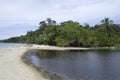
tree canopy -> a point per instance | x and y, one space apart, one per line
71 33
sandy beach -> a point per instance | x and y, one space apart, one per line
13 68
47 47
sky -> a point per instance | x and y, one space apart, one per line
19 16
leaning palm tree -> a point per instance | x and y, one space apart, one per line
106 23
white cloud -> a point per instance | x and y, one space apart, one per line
32 11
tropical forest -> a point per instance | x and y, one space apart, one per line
73 34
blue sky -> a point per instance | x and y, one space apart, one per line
19 16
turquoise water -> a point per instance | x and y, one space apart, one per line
4 45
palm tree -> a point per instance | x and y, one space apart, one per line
50 21
106 23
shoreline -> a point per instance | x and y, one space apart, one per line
47 47
12 66
45 73
42 71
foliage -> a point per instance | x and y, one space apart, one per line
70 33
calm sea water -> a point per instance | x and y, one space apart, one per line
3 45
79 65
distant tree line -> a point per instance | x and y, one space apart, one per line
71 33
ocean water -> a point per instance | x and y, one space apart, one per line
5 45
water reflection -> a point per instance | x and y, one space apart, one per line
80 65
48 54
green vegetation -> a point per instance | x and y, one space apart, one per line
70 33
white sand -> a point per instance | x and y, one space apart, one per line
47 47
12 67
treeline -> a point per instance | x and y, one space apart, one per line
71 33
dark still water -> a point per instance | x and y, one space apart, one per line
79 65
